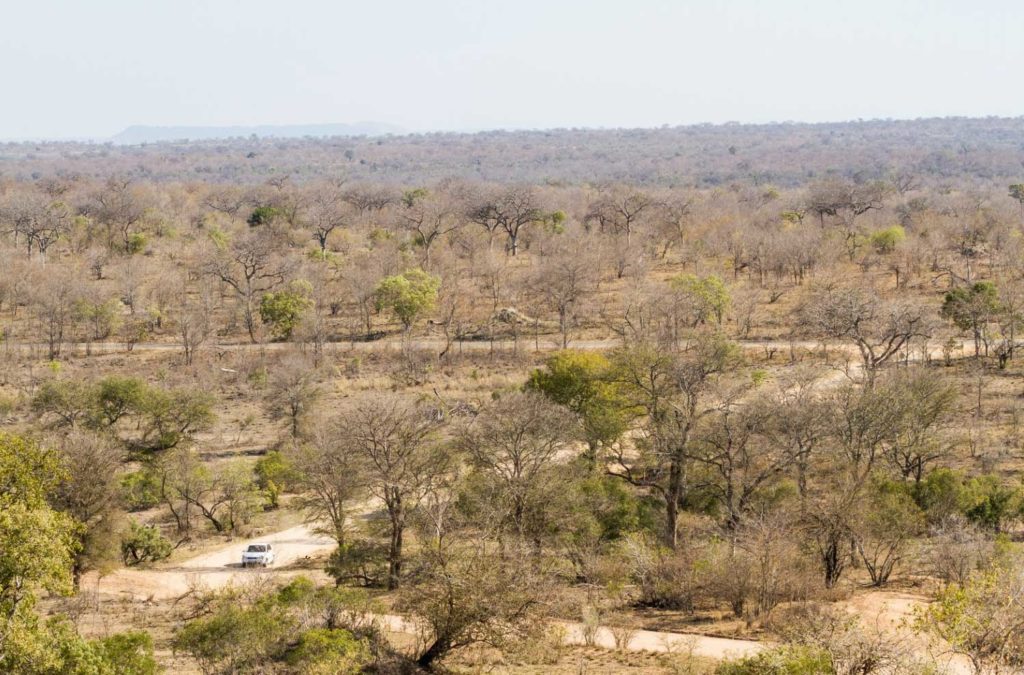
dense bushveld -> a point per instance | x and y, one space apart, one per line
729 379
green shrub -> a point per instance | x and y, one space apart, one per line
128 653
780 661
144 543
140 490
323 650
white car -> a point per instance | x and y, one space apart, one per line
258 555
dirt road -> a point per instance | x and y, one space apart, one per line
213 569
220 567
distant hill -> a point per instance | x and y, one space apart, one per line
134 135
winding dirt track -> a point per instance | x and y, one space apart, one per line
220 567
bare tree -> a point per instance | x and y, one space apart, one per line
618 209
510 210
878 328
333 478
429 216
250 265
326 212
396 440
565 276
515 442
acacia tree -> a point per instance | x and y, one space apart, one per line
514 443
396 439
326 212
878 328
510 210
619 209
672 390
429 216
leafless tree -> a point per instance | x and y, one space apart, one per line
396 439
250 265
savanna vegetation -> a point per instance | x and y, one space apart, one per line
508 401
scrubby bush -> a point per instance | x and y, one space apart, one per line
144 543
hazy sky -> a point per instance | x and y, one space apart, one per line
76 68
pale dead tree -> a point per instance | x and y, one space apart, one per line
799 426
636 319
16 282
53 306
515 442
618 210
315 327
497 284
429 216
851 645
332 477
360 276
251 265
673 219
565 276
325 212
397 441
509 210
878 328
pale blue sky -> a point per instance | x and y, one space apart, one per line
75 68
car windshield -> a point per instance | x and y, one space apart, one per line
257 548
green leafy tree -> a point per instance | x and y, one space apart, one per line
37 545
972 308
408 295
885 241
70 401
263 215
329 650
581 382
1017 192
981 619
117 397
702 300
171 416
144 543
283 310
274 475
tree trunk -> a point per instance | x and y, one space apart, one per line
395 550
436 650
